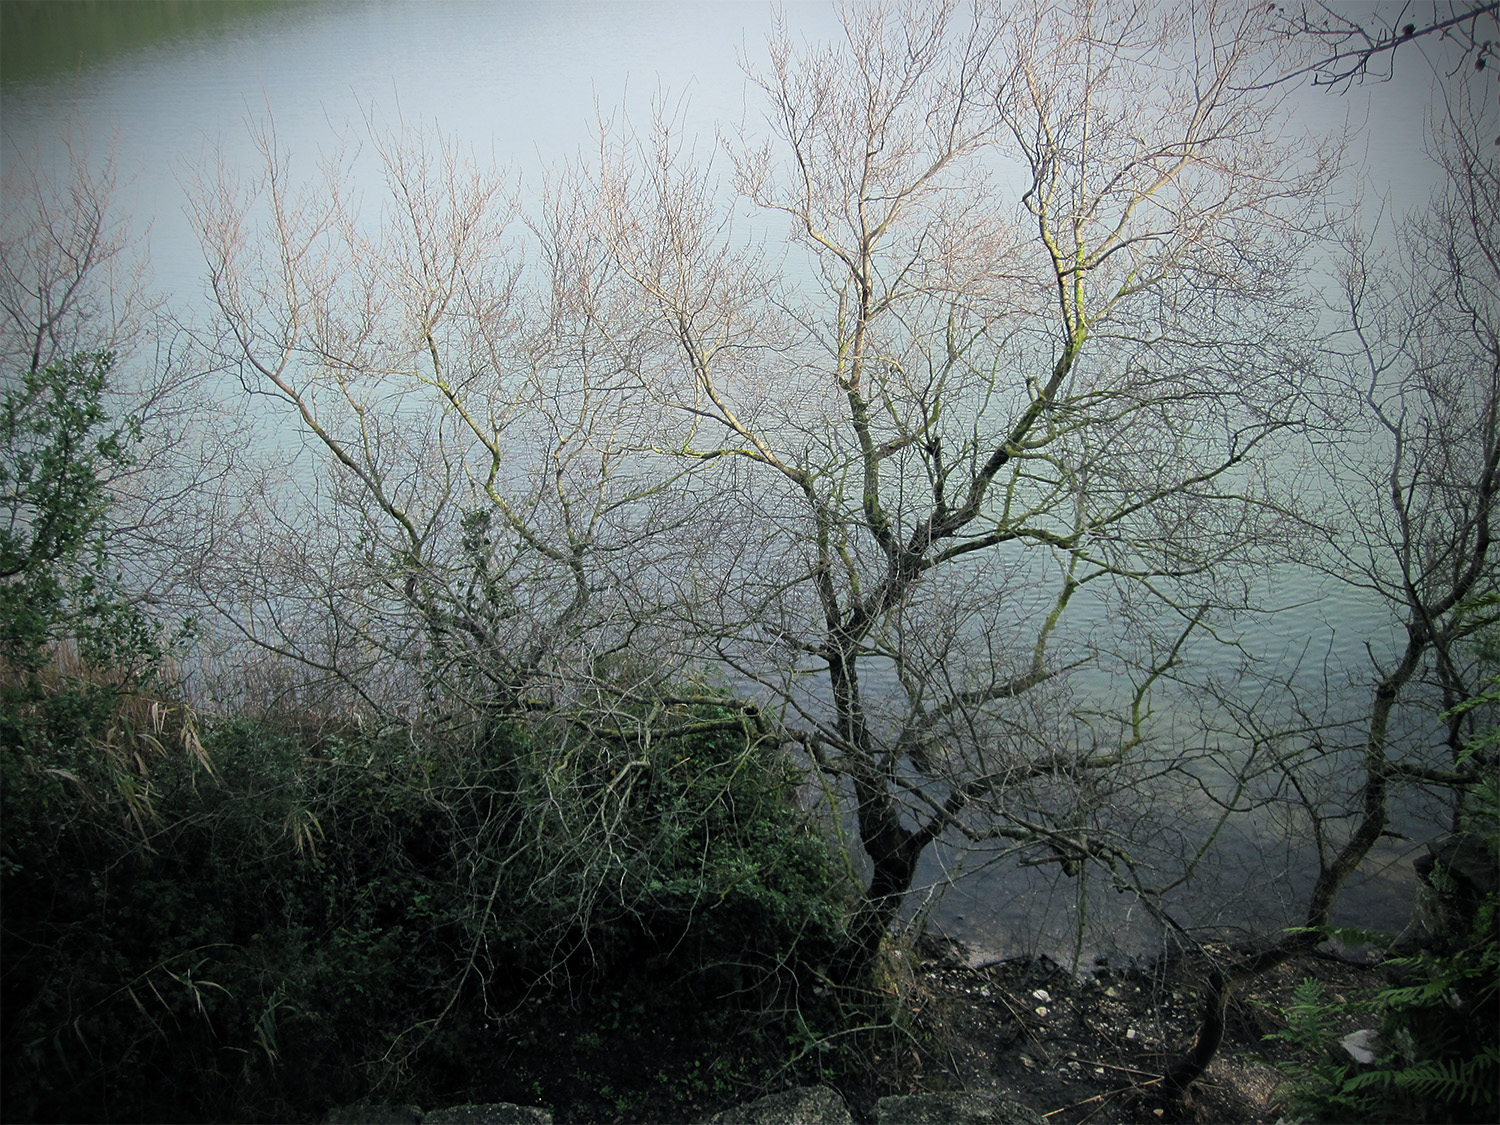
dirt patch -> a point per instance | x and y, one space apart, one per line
1091 1049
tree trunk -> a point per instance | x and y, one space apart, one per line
894 852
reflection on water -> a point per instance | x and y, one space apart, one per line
1006 910
46 39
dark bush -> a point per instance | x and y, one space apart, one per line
308 923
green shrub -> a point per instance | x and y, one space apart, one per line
1440 1045
1439 1021
310 923
57 444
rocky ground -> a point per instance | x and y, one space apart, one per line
1090 1050
1070 1049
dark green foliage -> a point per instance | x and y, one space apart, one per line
269 922
680 829
57 445
71 643
1440 1038
317 920
1439 1025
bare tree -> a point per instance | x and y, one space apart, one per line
72 279
479 519
1011 404
478 538
1414 479
1041 354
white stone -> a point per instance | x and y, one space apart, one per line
1361 1046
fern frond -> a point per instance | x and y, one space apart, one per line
1470 1081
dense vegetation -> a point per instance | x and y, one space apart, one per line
1436 1056
291 919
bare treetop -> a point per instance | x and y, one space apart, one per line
1355 42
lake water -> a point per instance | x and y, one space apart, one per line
167 85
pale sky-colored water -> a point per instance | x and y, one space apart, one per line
520 80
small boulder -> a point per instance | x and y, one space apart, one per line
492 1113
1362 1046
374 1115
805 1105
953 1109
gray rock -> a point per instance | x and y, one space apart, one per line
953 1109
494 1113
1355 953
1361 1046
374 1115
805 1105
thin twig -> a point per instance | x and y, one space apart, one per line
1046 1058
1111 1066
1100 1097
